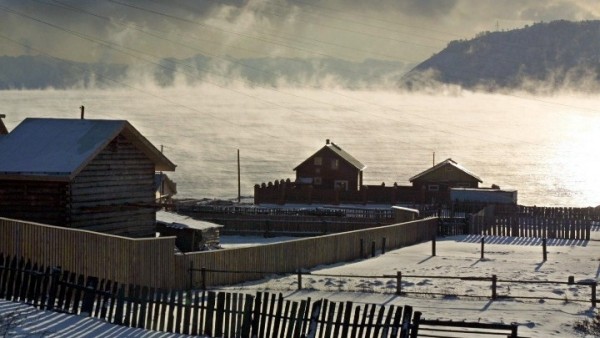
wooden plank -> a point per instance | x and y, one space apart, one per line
151 309
78 294
323 319
195 312
338 321
291 320
141 322
157 308
264 315
306 317
4 268
180 311
247 320
100 298
227 318
89 296
406 318
356 323
210 308
300 318
314 319
39 294
70 290
119 306
24 284
347 318
257 315
32 284
163 311
171 306
220 314
283 318
330 318
396 327
363 323
111 308
388 322
377 325
129 306
271 316
187 314
277 317
10 288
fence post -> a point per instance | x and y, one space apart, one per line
571 280
299 279
593 286
398 283
373 251
362 248
191 275
494 284
433 245
482 246
203 275
383 241
545 255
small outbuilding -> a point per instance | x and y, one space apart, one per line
331 168
165 189
95 175
192 234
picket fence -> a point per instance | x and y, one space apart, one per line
213 314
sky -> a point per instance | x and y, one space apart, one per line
126 31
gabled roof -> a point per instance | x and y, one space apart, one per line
341 153
161 179
442 164
44 148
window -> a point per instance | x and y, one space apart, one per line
335 163
317 170
317 181
341 185
433 187
318 160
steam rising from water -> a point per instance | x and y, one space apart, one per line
546 148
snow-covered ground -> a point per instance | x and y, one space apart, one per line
508 258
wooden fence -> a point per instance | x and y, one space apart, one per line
154 263
519 221
258 262
195 312
145 261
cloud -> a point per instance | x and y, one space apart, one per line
402 30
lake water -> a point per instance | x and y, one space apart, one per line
547 148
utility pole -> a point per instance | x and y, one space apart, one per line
239 177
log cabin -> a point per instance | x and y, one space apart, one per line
95 175
331 168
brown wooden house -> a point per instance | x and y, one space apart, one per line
89 174
434 183
331 168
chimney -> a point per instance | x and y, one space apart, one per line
82 111
327 141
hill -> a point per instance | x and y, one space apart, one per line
40 72
554 55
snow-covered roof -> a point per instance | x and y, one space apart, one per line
60 148
442 164
341 153
178 221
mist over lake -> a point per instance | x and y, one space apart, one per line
544 147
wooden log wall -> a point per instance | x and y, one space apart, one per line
115 192
35 201
287 257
